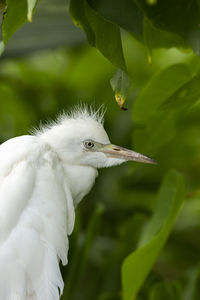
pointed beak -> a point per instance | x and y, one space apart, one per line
122 153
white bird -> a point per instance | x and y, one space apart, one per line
42 179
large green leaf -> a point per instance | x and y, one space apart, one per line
101 33
161 87
179 17
78 14
138 264
150 139
162 102
129 15
185 96
14 17
125 13
156 38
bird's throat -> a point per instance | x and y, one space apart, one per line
80 180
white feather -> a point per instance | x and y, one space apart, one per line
33 214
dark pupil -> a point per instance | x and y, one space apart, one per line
90 144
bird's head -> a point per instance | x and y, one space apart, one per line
80 138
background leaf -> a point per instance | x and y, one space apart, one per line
165 291
101 33
116 10
163 14
31 5
162 86
14 17
120 83
138 264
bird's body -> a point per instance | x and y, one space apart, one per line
42 179
33 220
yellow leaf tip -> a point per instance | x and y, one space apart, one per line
29 18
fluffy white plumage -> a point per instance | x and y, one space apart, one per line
42 178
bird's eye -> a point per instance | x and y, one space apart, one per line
89 144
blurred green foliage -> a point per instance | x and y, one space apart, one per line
138 264
124 220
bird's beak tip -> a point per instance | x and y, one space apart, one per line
126 154
143 159
152 161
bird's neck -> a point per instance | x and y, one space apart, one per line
80 180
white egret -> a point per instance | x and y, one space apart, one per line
42 179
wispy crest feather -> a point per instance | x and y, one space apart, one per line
81 111
84 111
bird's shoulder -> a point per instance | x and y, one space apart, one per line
24 149
31 178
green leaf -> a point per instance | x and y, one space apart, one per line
185 96
138 264
192 286
124 13
31 6
162 102
16 14
120 84
129 15
165 291
78 15
148 38
163 206
150 139
161 87
14 17
180 17
2 47
107 37
101 33
155 38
